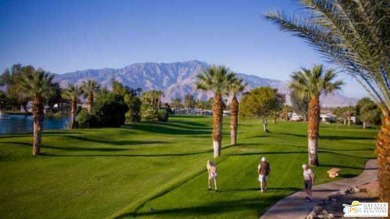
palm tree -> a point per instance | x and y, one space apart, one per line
39 86
11 78
217 80
355 36
73 93
89 89
312 83
236 87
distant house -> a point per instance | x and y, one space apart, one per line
328 118
296 117
226 112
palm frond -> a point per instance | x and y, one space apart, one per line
353 34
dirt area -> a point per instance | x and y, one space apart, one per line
333 207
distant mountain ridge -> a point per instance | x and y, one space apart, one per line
175 79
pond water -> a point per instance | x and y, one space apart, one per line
10 124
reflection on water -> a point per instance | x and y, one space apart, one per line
22 123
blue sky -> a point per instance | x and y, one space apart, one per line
67 35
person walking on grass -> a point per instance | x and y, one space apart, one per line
308 177
263 170
212 172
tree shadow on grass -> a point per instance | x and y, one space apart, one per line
268 152
357 150
210 209
166 129
188 124
63 132
103 149
349 175
24 144
341 166
346 155
269 189
116 142
126 155
329 137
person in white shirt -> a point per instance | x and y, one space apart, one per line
212 174
308 178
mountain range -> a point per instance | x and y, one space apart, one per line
176 80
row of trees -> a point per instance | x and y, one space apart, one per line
190 102
221 81
366 112
25 84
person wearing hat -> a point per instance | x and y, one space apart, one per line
263 170
308 180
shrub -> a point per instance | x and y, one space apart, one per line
148 113
108 111
86 120
163 115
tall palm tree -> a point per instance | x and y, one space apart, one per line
73 93
39 86
236 87
312 83
216 79
354 35
90 88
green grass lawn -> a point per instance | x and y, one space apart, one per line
159 170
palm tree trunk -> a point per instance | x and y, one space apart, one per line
233 120
73 113
217 124
90 103
313 130
38 117
383 160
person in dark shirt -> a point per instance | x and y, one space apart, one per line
263 170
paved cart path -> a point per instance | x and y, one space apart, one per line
295 205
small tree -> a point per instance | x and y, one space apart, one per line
300 104
285 113
279 107
236 87
130 98
150 105
368 112
345 113
90 88
189 102
176 103
108 111
73 93
259 103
